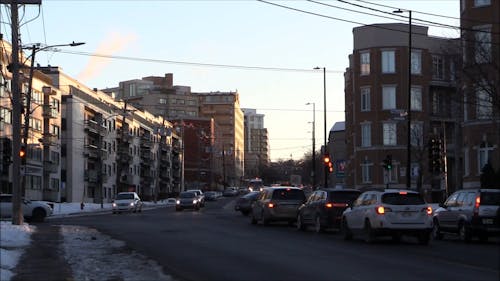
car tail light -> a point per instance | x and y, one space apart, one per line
329 205
381 210
270 205
477 203
428 210
403 192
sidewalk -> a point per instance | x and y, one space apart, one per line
44 259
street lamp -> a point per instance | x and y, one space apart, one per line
408 145
324 121
313 173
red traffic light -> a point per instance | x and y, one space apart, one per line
326 159
22 152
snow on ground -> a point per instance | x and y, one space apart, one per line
85 249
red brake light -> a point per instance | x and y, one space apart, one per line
478 202
403 192
329 205
428 210
270 205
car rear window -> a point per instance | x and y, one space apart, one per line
344 197
124 196
288 194
490 198
402 199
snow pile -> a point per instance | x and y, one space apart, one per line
13 240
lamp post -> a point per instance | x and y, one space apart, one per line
313 173
324 122
34 49
408 145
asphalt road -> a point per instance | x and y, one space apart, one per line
218 243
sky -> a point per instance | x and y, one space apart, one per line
263 51
84 248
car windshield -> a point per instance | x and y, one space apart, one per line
344 196
187 195
251 195
124 196
490 198
402 199
288 194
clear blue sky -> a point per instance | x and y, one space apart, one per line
230 32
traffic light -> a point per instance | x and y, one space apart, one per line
22 154
388 162
326 159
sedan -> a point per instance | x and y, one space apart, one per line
187 200
127 202
244 203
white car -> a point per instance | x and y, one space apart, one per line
200 195
388 213
32 210
126 202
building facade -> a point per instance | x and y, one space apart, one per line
256 143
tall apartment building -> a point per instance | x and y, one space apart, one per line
376 98
229 145
256 143
480 86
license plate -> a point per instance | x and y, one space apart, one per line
406 214
487 221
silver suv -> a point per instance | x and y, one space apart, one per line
468 213
277 204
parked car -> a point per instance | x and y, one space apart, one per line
230 192
244 203
32 210
171 201
388 213
200 195
323 209
468 213
127 202
211 196
277 204
188 200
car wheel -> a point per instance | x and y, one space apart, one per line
368 231
436 231
346 231
253 220
464 233
423 238
38 215
300 223
317 224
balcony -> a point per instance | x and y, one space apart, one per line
49 139
49 112
90 176
91 126
90 151
50 167
123 135
126 178
123 158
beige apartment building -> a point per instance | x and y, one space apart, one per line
256 143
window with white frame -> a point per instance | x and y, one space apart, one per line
366 134
480 3
416 98
5 115
388 62
389 133
482 39
417 134
365 99
366 172
388 97
416 62
484 104
484 154
437 67
163 101
364 63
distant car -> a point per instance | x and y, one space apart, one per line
323 209
277 204
32 210
244 203
230 191
211 195
170 201
127 202
200 195
388 213
469 213
187 200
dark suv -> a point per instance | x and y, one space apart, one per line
324 208
277 204
468 213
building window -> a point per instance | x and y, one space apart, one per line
484 104
466 162
482 50
35 124
437 67
453 72
366 135
389 133
480 3
416 62
365 99
416 98
365 63
417 135
163 101
388 62
366 172
5 115
388 97
390 176
54 184
55 130
484 154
